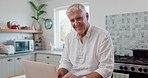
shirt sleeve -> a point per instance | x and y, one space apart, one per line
65 62
106 57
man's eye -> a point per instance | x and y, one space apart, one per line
79 18
71 20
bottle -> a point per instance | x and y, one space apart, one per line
49 46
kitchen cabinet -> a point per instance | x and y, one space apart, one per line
48 59
7 67
12 65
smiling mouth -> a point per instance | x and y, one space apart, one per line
78 27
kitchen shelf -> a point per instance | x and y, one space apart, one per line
20 31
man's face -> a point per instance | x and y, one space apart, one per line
78 20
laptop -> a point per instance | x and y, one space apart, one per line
39 70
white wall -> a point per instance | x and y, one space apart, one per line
15 10
98 10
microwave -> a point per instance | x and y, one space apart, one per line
22 45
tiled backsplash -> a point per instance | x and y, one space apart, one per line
128 31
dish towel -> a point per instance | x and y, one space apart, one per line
120 75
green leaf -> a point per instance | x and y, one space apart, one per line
38 11
34 18
43 19
41 12
41 6
33 5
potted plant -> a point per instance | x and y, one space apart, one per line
38 14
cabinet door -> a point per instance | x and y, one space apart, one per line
57 60
1 68
30 57
45 57
48 59
18 65
7 67
11 66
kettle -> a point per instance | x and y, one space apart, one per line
14 27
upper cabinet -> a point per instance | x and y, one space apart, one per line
21 31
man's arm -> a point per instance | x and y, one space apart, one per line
65 61
92 75
106 57
65 64
106 60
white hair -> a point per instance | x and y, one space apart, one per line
75 7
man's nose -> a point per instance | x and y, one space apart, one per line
76 22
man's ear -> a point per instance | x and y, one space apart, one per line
87 16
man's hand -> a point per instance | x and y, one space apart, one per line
70 75
91 75
62 72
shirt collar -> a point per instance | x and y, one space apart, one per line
87 34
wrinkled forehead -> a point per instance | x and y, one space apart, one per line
75 11
75 14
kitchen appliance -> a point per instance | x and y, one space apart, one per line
22 45
8 49
14 27
140 53
136 66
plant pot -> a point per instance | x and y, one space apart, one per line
36 25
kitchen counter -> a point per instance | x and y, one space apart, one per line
55 52
31 52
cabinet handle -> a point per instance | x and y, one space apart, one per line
18 58
48 63
48 57
9 59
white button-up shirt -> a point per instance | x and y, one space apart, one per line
95 54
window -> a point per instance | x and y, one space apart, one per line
62 25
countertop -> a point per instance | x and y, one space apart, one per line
55 52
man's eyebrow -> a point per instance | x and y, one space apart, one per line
78 18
